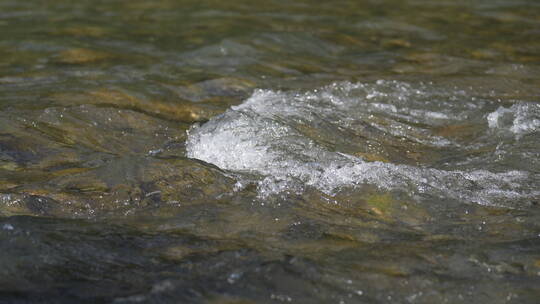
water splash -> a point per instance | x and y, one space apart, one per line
266 136
521 118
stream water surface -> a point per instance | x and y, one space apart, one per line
274 152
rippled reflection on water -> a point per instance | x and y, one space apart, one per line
304 152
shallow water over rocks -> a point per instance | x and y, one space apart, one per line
299 152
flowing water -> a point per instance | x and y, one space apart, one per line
274 152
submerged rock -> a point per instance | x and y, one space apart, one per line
214 89
82 56
180 111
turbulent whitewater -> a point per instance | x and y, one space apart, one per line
329 139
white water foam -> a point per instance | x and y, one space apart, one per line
260 137
521 118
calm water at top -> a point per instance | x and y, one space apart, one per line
271 152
